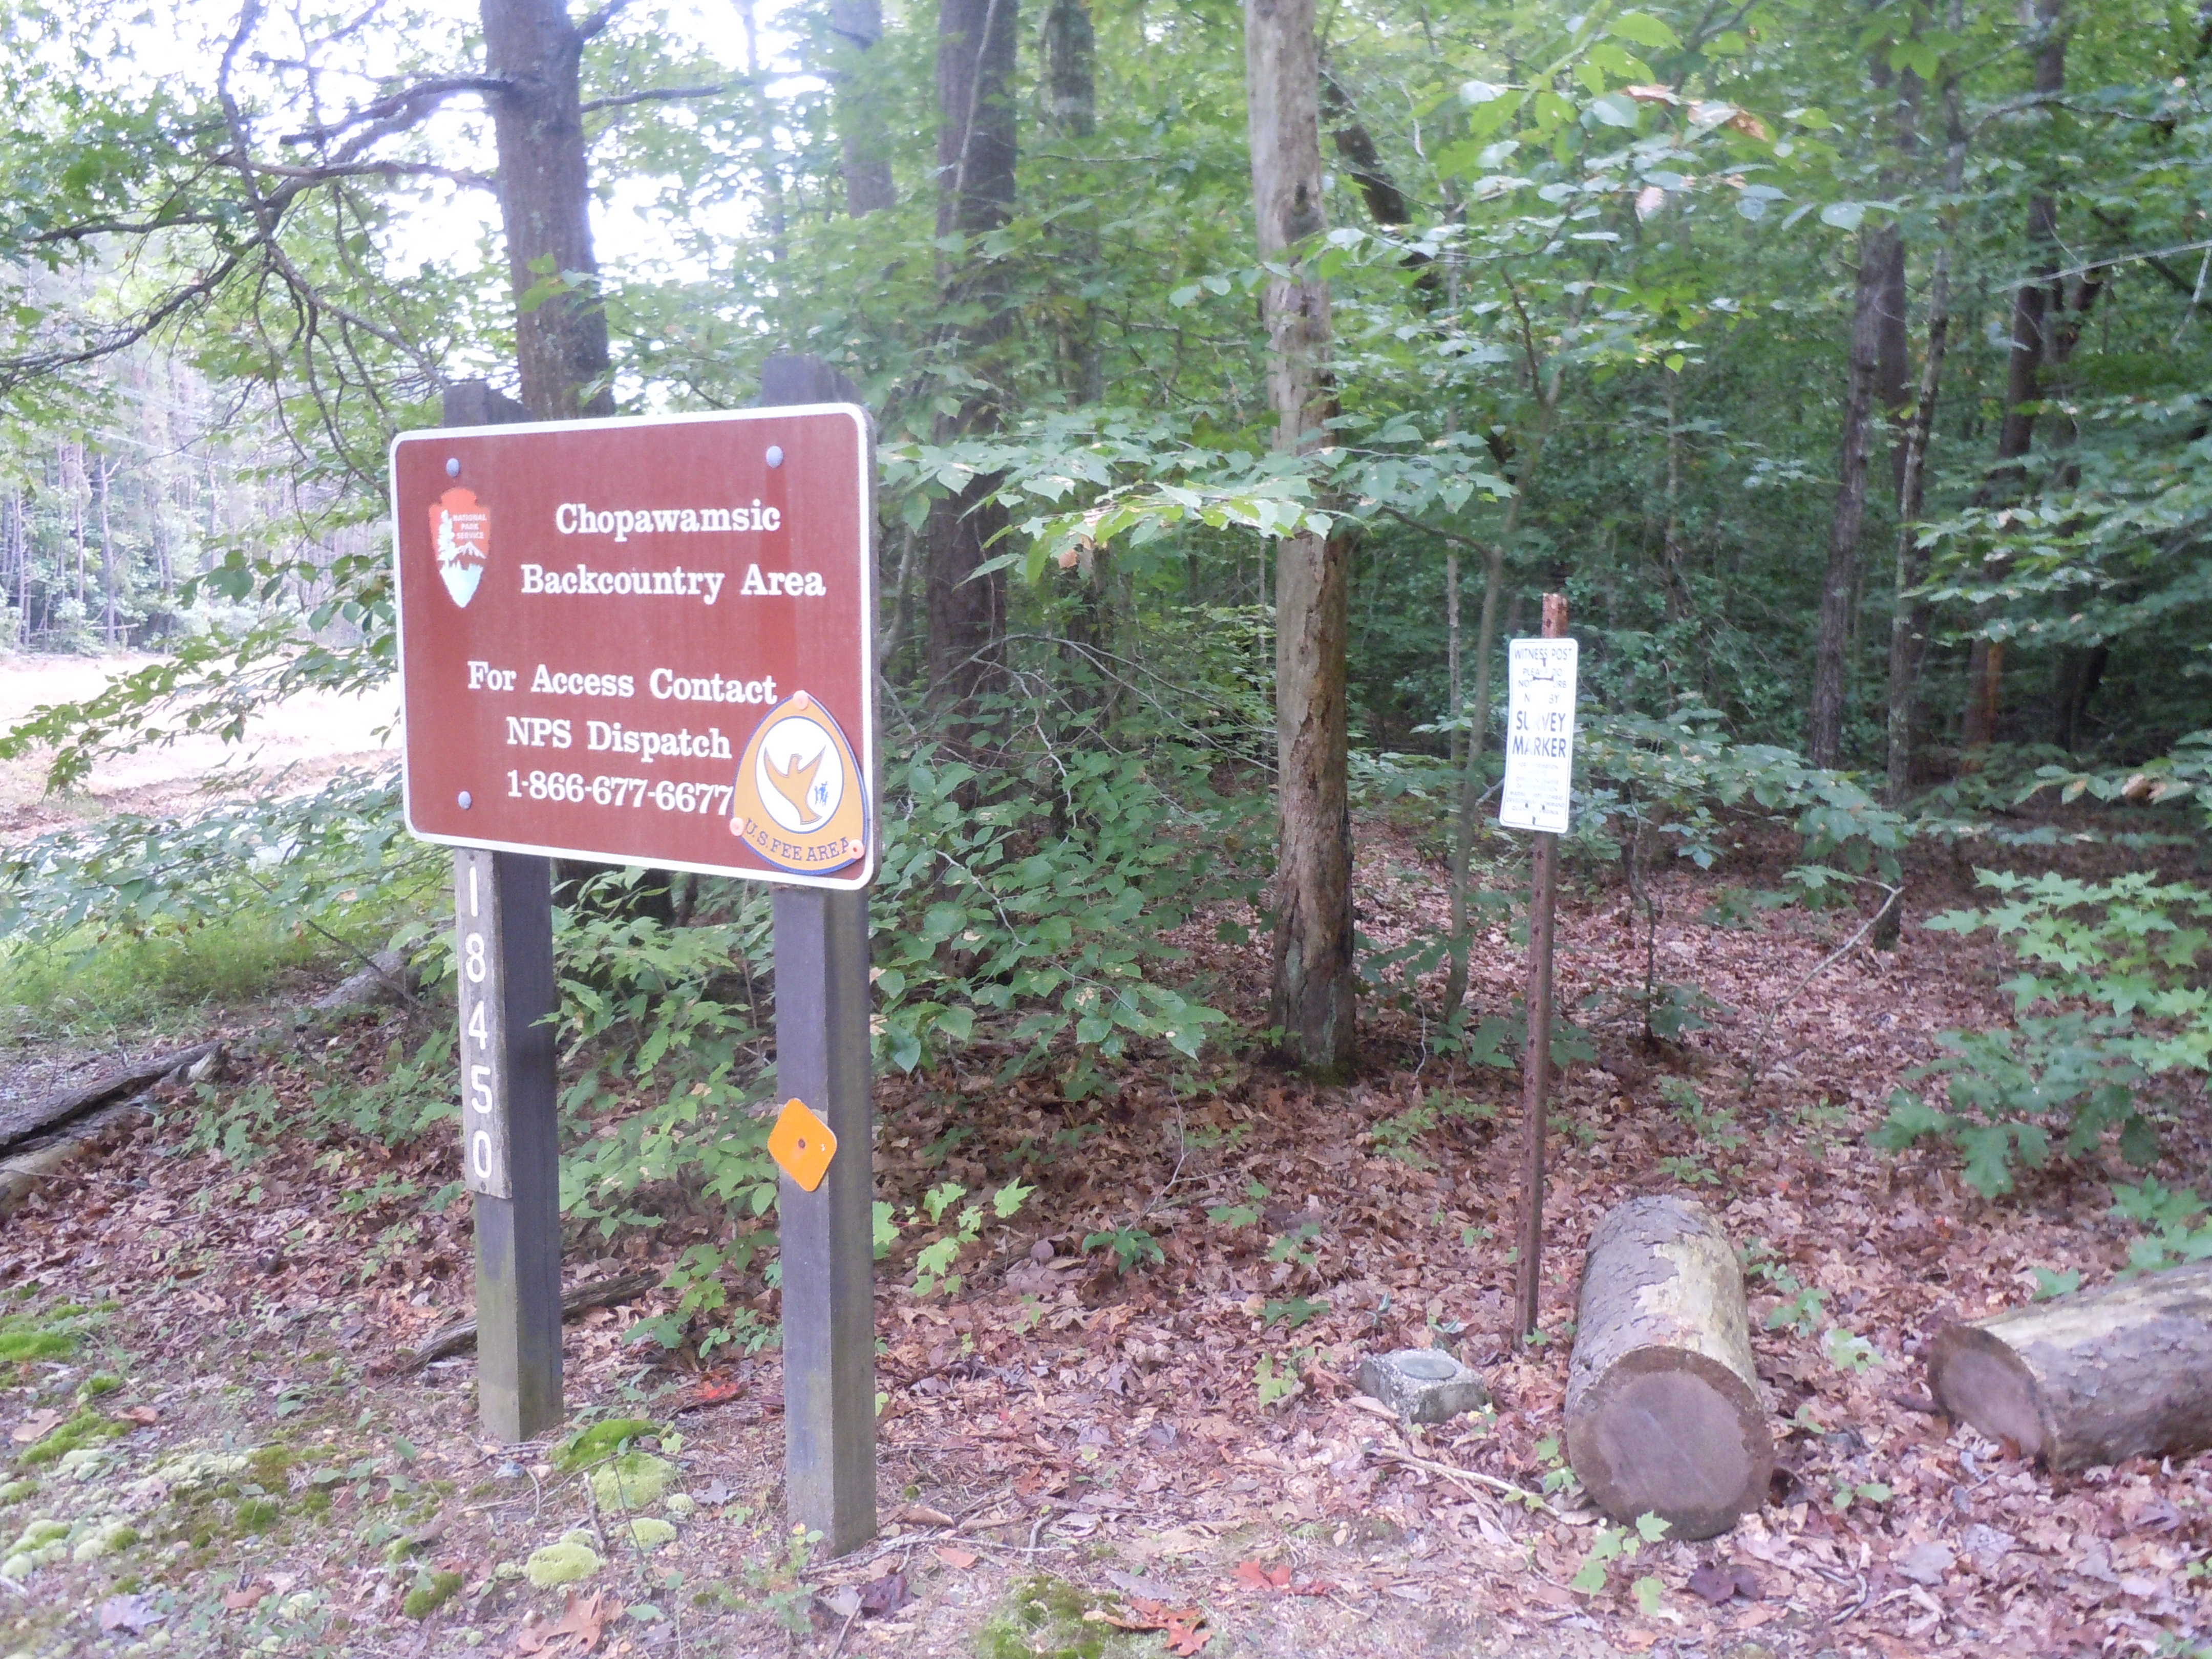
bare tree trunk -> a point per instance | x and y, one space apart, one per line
763 115
1313 992
544 205
976 159
1071 64
864 146
1908 621
1874 380
2023 364
105 475
1824 725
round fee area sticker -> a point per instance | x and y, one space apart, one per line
801 803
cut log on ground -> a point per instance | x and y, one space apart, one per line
1664 1412
462 1337
20 1125
2088 1379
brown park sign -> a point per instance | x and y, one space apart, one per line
649 642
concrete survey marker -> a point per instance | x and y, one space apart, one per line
1422 1385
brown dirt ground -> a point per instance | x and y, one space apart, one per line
1059 1437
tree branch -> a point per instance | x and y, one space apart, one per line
596 24
1452 536
407 103
658 94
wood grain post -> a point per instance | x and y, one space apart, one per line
1536 1062
510 1151
510 1139
826 1237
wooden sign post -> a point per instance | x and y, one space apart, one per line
1540 738
651 642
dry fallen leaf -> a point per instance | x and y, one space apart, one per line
144 1416
1253 1576
1186 1638
129 1612
35 1427
246 1598
581 1622
959 1559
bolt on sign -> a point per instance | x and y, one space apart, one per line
645 642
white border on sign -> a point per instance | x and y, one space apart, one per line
871 762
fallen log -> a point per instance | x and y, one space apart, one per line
460 1337
1663 1411
60 1109
2089 1379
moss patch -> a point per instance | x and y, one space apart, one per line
87 1428
1042 1618
431 1592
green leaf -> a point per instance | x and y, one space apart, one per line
1650 1593
1644 29
1615 109
1843 216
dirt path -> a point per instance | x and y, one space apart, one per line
303 741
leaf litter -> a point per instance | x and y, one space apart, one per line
1059 1414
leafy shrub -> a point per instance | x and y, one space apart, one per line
2118 963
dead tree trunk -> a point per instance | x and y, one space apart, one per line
544 205
976 157
1664 1412
1314 989
2124 1373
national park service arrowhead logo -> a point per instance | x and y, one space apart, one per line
460 530
801 803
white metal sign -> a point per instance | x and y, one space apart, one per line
1540 735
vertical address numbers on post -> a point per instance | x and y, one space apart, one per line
482 1034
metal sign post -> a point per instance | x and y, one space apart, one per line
1540 739
651 642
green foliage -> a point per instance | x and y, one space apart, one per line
2119 963
597 1441
1617 1544
2176 1230
1292 1312
933 1264
1131 1247
1400 1135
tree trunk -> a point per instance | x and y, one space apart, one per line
1824 727
2124 1373
864 146
104 471
2023 364
763 114
976 158
1909 617
1314 988
1874 383
544 206
1070 67
1663 1414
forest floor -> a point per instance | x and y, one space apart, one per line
212 1453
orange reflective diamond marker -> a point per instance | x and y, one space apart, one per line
802 1145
